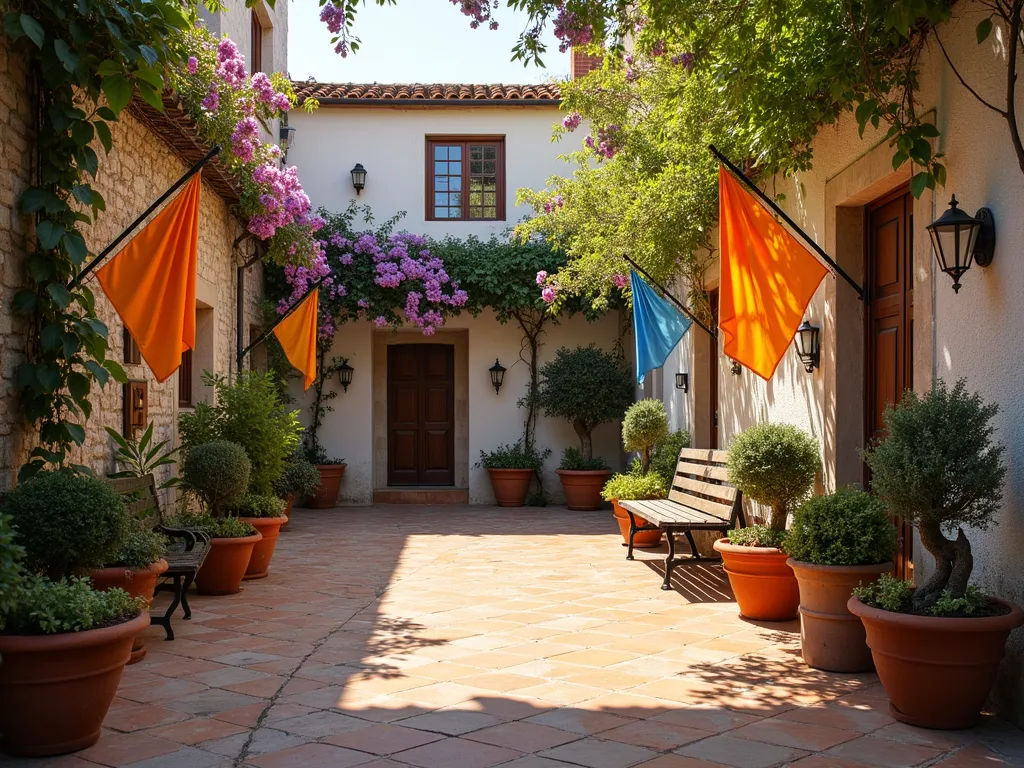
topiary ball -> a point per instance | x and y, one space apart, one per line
67 523
218 471
848 527
644 425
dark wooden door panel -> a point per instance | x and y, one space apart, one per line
421 414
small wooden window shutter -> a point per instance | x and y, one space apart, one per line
256 44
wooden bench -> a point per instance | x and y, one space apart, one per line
186 554
700 499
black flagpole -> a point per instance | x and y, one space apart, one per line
131 227
266 334
672 298
836 269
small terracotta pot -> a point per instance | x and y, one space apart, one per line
510 486
643 539
137 582
288 504
831 637
764 586
326 495
225 565
937 672
55 690
259 561
583 487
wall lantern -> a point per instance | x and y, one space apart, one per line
285 134
358 177
345 372
959 239
497 375
808 345
736 368
683 382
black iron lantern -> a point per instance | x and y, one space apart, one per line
497 375
960 240
345 372
736 368
358 177
683 382
808 345
285 134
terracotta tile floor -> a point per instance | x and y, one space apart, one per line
467 638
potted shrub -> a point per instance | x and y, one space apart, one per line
135 568
331 473
63 644
634 486
665 456
582 479
837 542
218 473
774 465
265 513
511 468
299 479
937 648
586 387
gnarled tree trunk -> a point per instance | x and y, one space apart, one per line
953 564
586 442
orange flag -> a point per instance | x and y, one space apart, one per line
297 334
768 279
152 282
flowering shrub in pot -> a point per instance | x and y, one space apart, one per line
774 465
63 643
265 513
937 647
836 543
634 486
511 468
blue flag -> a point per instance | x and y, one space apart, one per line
657 326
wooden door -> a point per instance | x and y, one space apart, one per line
713 371
421 414
890 318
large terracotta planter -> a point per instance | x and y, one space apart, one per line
643 539
326 495
510 486
137 582
831 637
288 504
583 487
259 561
225 565
55 690
764 586
937 672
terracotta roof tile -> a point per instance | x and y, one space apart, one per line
349 93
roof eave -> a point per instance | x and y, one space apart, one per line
376 102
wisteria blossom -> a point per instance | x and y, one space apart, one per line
572 121
620 280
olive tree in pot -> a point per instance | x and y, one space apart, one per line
774 465
218 474
511 468
837 542
587 387
63 643
937 648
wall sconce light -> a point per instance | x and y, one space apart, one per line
736 368
345 372
358 177
808 345
959 240
683 382
497 375
136 407
285 134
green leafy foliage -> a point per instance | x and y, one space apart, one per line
573 460
757 536
140 457
514 456
587 387
45 607
140 550
775 465
892 594
11 572
215 527
68 524
888 593
644 426
848 527
300 478
968 604
666 455
200 426
256 505
217 472
634 486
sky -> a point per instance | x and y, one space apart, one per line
416 41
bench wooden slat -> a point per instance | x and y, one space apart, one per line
722 511
705 471
704 454
666 512
725 494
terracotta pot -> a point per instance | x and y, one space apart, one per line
937 672
55 690
259 561
288 504
643 539
831 637
326 495
583 487
764 586
510 486
225 565
137 582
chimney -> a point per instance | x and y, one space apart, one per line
581 63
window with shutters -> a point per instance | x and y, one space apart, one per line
185 380
465 178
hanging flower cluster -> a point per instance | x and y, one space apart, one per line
606 141
571 31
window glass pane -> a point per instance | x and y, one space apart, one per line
441 183
490 198
440 168
440 198
490 153
455 168
491 182
440 213
454 198
490 213
476 152
455 152
476 167
490 166
440 152
455 183
475 198
476 213
475 184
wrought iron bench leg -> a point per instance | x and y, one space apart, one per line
632 533
670 561
184 595
165 620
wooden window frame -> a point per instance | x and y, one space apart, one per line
256 43
465 140
186 397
